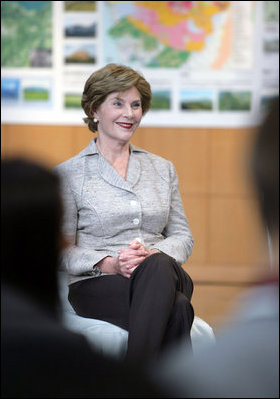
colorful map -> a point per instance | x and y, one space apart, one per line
167 34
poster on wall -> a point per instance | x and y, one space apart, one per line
211 63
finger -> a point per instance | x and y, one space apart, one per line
126 255
136 241
135 244
140 247
142 252
131 256
129 271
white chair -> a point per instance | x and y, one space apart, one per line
111 340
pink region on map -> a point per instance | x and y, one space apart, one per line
177 36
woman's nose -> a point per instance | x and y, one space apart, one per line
128 112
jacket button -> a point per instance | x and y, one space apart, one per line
135 221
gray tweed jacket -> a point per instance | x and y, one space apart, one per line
104 212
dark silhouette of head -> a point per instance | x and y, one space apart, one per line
265 168
31 214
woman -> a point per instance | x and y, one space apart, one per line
125 222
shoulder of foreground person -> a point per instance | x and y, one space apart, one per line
40 358
244 362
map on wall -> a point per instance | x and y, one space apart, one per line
209 63
169 34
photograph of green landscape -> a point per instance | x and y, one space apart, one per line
72 100
79 25
36 91
196 100
235 100
161 99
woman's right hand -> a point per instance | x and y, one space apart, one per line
124 264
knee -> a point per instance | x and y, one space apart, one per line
160 260
159 264
181 301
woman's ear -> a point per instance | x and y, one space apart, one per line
94 116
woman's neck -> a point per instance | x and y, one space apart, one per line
112 151
116 154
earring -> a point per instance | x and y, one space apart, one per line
95 120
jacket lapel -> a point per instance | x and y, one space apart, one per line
134 170
110 175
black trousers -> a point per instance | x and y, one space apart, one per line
153 305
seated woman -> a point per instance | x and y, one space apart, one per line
125 222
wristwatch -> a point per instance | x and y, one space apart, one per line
96 271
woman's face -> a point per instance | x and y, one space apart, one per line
119 115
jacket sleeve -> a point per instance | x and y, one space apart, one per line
75 260
178 242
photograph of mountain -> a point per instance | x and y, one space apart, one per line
79 53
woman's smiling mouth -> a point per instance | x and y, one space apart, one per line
125 125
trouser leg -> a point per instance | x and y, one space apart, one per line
180 322
154 288
104 298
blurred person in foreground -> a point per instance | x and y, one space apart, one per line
39 357
244 363
126 224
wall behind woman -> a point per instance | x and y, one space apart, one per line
230 245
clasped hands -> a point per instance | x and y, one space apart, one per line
128 259
131 257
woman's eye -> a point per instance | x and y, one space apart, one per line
136 105
117 103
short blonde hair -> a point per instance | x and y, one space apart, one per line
109 79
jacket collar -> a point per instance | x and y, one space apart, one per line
92 149
109 174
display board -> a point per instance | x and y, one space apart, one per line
211 63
